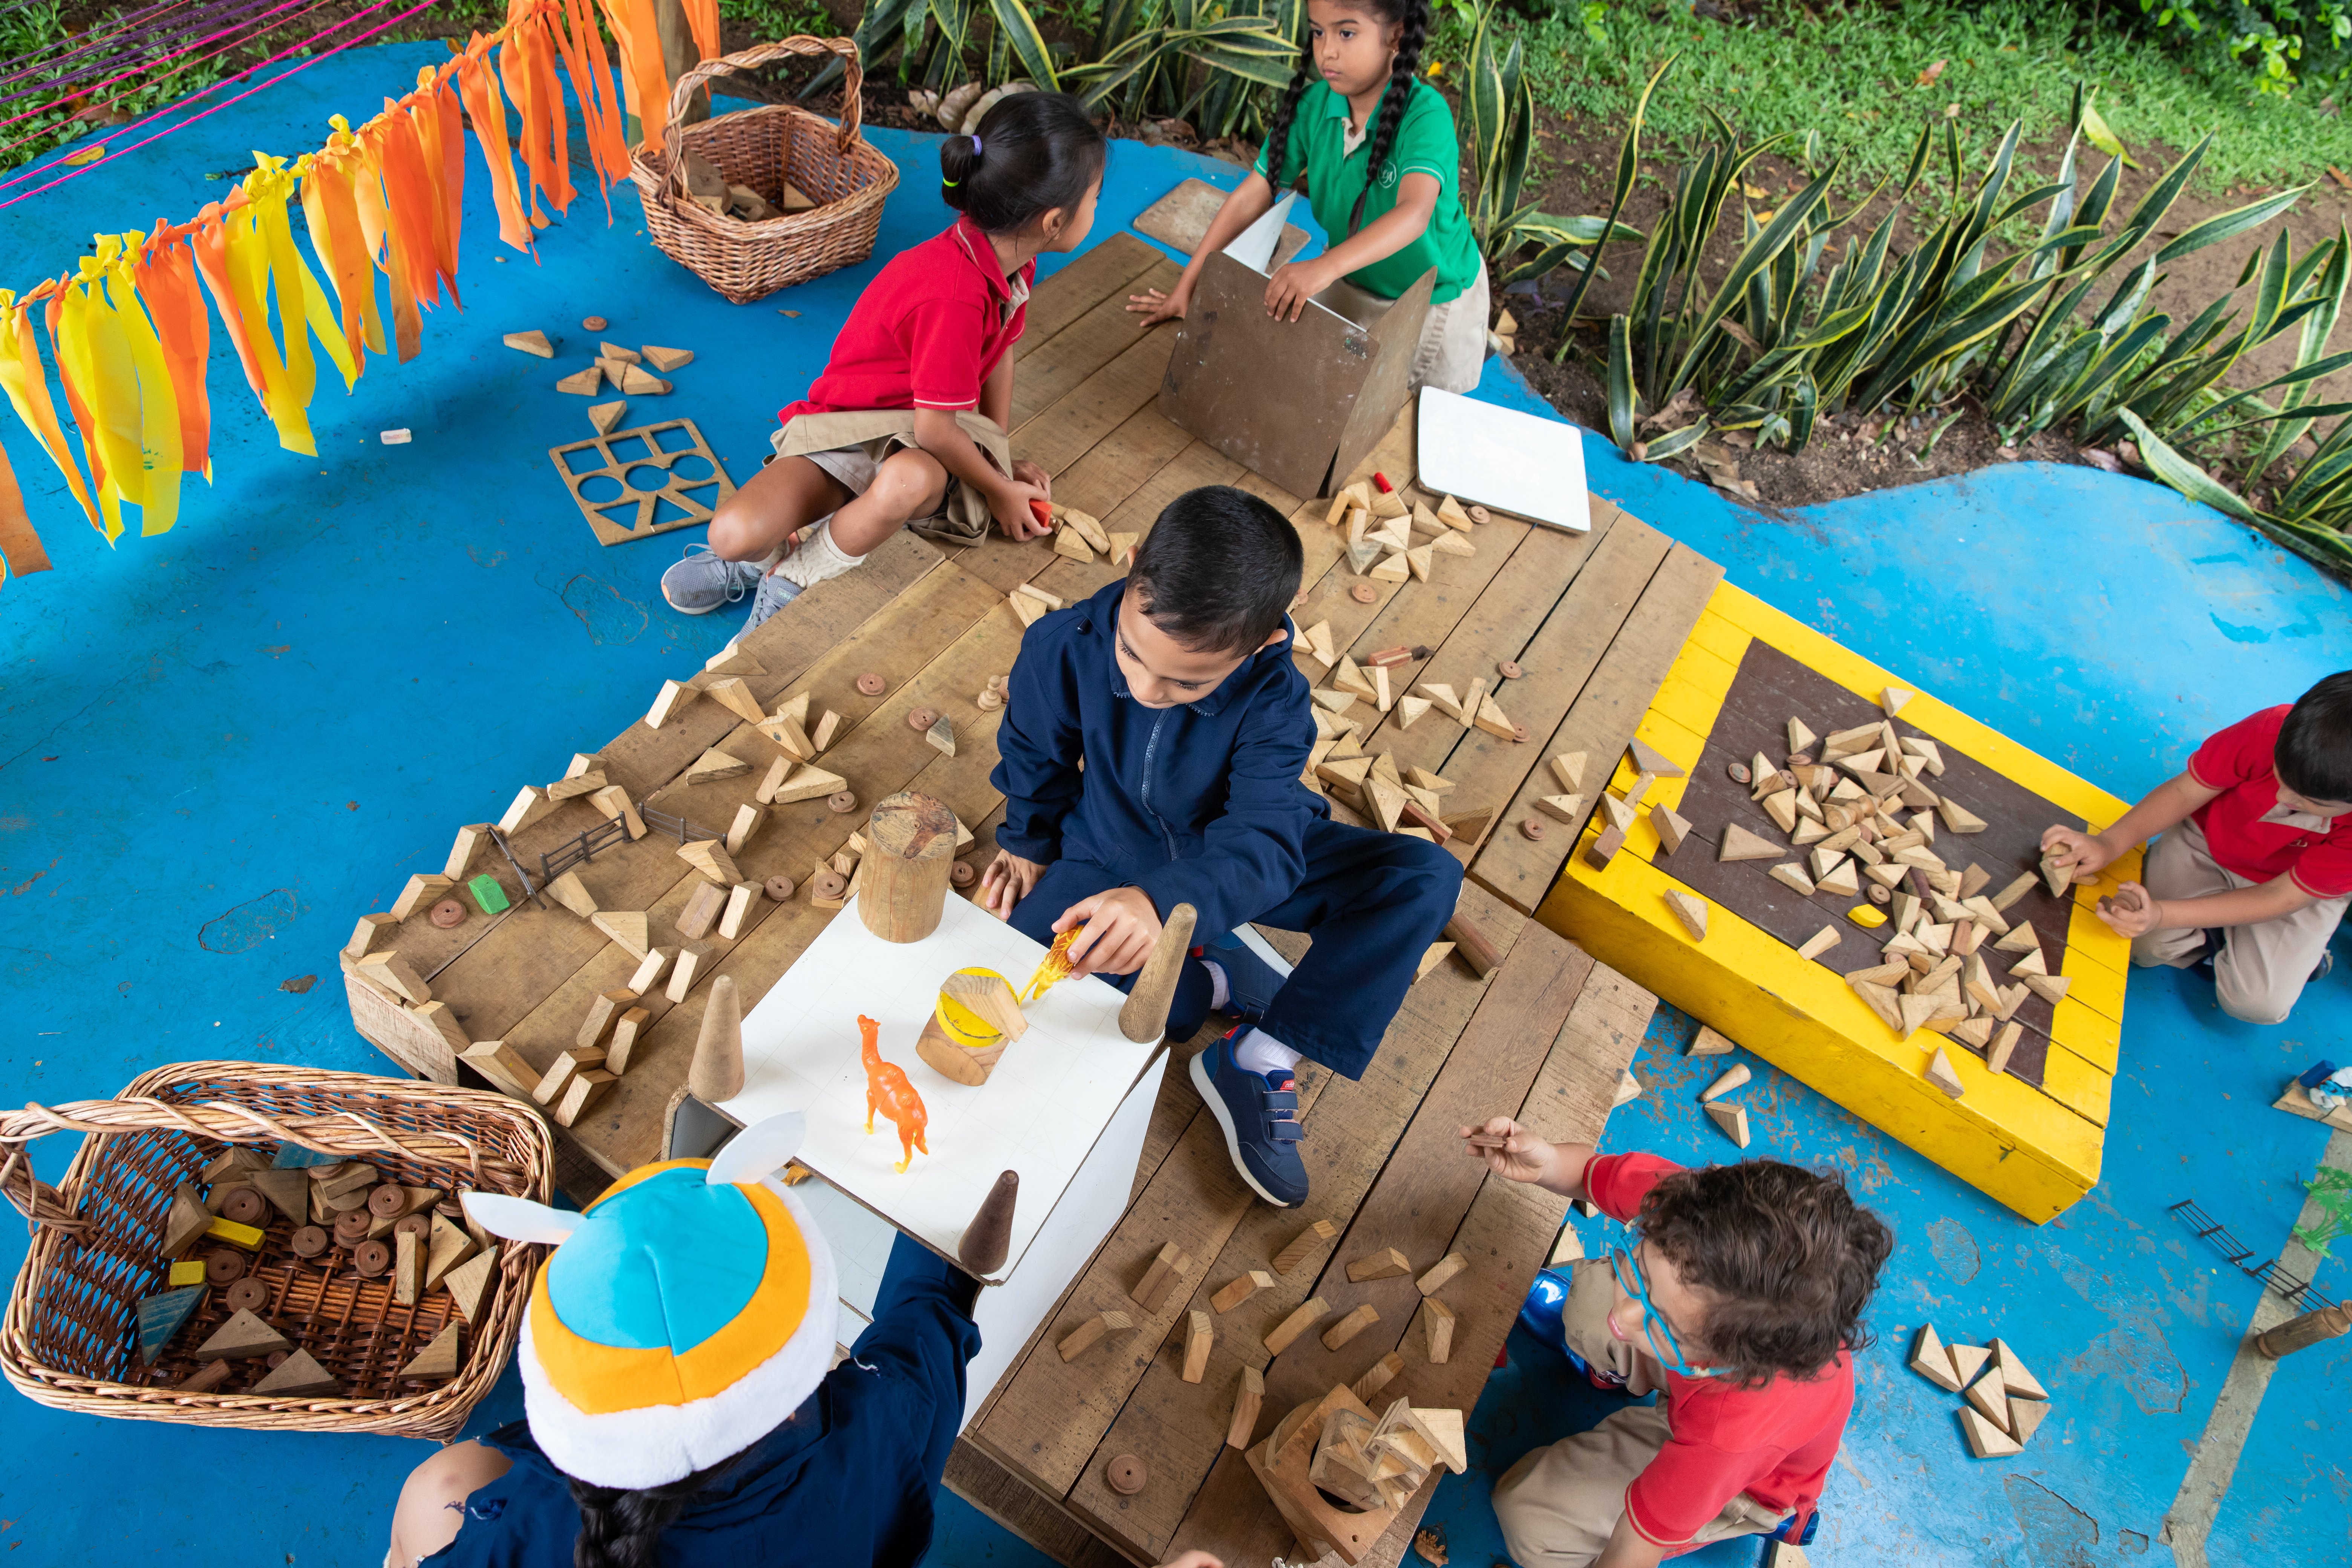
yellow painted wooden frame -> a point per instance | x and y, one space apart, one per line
2036 1150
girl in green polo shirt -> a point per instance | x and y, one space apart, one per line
1378 148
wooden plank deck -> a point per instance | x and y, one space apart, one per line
1594 619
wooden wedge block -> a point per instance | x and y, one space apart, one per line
1987 1441
1437 1329
301 1376
2020 1383
1792 875
666 360
389 970
242 1337
439 1359
1648 759
1439 1273
1708 1043
534 341
1304 1245
469 1284
739 899
1241 1289
1300 1320
1690 910
710 857
1242 1426
1967 1361
1378 1376
1349 1327
1388 1263
715 764
1939 1073
1996 1055
628 928
2024 1415
582 382
1740 844
1820 942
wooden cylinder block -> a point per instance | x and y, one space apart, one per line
951 1060
910 845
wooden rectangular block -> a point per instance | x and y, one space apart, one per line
1089 1334
1241 1289
1304 1245
1440 1272
1298 1323
703 907
688 968
503 1066
739 905
627 1031
587 1088
1437 1327
1199 1337
1388 1263
1242 1426
1167 1268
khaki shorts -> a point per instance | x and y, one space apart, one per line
851 447
1451 355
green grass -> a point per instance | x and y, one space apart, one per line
1853 75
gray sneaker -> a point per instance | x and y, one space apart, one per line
776 591
703 582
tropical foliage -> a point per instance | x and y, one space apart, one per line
1498 115
2023 296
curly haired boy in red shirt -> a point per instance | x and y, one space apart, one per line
1739 1297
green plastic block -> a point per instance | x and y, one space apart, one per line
488 893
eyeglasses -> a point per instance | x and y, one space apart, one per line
1627 1269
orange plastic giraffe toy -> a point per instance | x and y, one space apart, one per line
886 1088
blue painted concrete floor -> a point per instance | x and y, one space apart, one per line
219 748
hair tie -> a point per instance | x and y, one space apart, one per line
975 146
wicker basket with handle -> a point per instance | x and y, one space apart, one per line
69 1339
763 148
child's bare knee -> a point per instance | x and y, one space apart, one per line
734 534
905 481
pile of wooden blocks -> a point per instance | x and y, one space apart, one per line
1390 540
1729 1116
2005 1403
623 368
339 1215
1081 537
1650 766
1382 1464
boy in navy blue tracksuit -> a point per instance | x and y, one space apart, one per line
1176 688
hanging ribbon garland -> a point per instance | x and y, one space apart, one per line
129 331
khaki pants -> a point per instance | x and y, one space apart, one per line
1453 350
850 445
1558 1506
2261 968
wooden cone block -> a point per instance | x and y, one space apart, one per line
910 845
1143 1017
717 1072
989 1237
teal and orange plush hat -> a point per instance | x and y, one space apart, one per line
683 1315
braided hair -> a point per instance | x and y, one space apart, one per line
620 1529
1411 17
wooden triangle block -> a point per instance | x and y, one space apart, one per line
1916 1011
1450 513
2032 964
666 360
2020 1383
1350 677
1089 528
1447 702
161 1316
1882 1000
1820 942
242 1336
1671 828
1990 1402
1393 570
1708 1043
605 416
627 928
1349 771
715 764
1729 1116
1069 542
1967 1361
1569 768
452 1243
1940 1073
1333 701
710 857
809 783
2051 988
585 382
1790 874
1621 816
1387 801
2024 1415
1451 543
1932 1360
469 1284
1800 738
1691 912
1648 759
1987 1441
1958 818
298 1376
1893 698
1738 843
638 380
1841 880
730 693
1493 721
534 341
438 1359
1567 808
1423 561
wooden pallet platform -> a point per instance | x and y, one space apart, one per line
1593 619
2029 1136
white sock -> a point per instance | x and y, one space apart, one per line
817 560
1260 1052
1220 993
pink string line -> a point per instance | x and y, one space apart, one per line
216 108
244 29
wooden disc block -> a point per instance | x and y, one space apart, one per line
910 845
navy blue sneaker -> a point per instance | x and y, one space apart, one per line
1250 981
1259 1113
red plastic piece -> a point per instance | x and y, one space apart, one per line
1382 481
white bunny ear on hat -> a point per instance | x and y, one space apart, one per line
520 1219
759 1150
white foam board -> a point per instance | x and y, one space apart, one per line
1504 459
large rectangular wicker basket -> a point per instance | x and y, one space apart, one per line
69 1337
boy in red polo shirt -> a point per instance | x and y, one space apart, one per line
1739 1297
2255 865
907 426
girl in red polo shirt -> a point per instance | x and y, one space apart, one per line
906 426
1739 1297
2254 869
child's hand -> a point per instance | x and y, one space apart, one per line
1029 473
1155 307
1008 502
2131 912
1006 882
2078 851
1121 925
1295 283
1509 1150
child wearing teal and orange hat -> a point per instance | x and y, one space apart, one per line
680 1409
